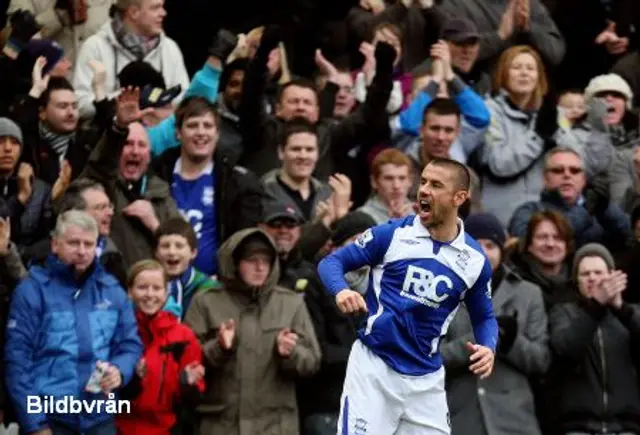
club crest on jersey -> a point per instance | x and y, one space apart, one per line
463 259
364 238
207 195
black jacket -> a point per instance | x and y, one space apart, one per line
40 155
336 333
238 193
596 351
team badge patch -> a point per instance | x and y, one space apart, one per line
364 238
207 196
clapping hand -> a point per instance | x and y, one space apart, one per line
226 334
128 107
195 372
286 342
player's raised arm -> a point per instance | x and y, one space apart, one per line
367 250
485 326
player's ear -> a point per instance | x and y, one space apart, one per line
460 197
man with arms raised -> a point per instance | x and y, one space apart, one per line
422 266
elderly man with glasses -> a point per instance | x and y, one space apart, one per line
593 217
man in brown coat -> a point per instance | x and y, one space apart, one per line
256 338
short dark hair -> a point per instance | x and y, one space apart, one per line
443 107
194 106
240 64
176 227
300 82
73 199
55 84
463 176
295 126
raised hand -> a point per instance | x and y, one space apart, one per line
63 180
612 287
39 82
286 342
369 67
128 107
341 185
481 360
350 301
507 24
440 51
226 334
25 182
326 68
99 80
523 15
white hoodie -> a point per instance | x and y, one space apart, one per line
103 46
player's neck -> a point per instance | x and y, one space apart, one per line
191 169
446 232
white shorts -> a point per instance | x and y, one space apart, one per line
376 400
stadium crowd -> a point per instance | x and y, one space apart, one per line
172 174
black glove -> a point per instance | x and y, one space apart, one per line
508 330
23 27
596 195
385 56
547 120
223 44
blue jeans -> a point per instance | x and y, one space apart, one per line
321 424
106 428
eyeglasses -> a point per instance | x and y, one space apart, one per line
102 207
559 170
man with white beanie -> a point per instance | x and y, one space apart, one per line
616 93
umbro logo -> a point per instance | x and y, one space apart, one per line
410 241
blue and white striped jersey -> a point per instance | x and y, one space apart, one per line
416 285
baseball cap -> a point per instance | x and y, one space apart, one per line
460 30
280 210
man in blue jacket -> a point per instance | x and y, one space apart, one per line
67 319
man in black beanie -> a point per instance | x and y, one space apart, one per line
522 346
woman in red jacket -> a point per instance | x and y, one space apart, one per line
170 371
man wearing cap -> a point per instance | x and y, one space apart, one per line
257 338
463 39
24 199
134 33
504 23
594 337
503 404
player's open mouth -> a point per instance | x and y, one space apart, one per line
425 209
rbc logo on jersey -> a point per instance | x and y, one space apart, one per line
421 285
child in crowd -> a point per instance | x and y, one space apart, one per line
572 107
176 248
170 370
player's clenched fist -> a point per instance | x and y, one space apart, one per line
481 360
350 302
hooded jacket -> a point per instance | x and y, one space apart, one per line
103 46
169 346
251 388
58 329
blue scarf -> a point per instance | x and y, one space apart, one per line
179 289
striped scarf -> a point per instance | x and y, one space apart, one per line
59 143
139 46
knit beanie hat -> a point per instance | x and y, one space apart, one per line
139 74
592 250
8 128
35 48
486 226
254 244
609 83
350 225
